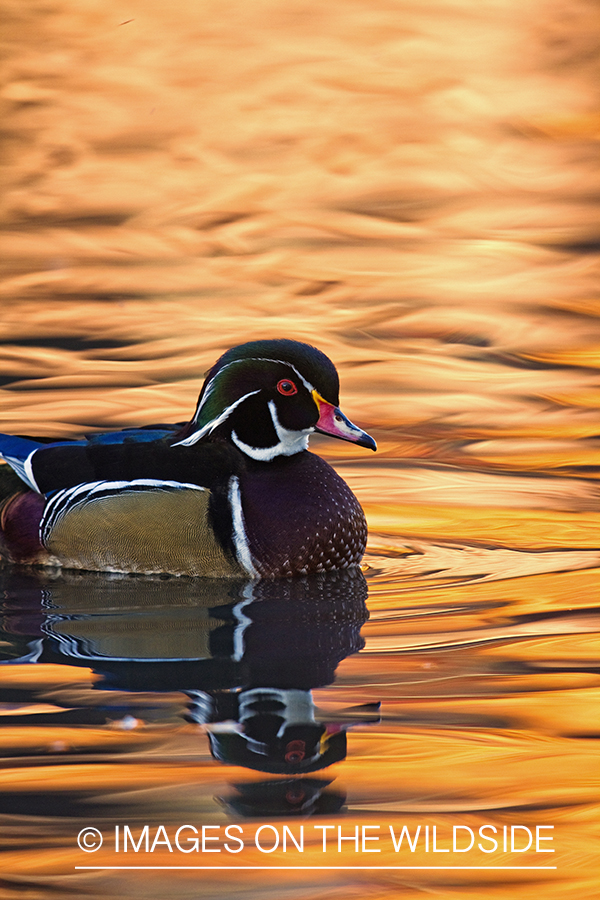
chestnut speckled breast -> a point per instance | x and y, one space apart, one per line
235 491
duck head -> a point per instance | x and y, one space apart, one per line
267 397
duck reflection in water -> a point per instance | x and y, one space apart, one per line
247 654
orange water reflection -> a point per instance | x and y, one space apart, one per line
414 189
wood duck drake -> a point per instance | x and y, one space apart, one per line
233 492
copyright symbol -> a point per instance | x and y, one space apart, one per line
89 839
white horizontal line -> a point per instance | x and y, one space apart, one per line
312 868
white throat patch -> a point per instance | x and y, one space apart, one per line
290 442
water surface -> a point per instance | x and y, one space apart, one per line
413 189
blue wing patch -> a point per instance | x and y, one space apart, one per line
19 452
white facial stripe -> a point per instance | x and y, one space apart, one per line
210 426
209 388
290 442
294 441
240 540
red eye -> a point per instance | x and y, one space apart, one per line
287 387
296 751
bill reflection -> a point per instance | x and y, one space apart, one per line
247 655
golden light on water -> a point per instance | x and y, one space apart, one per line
414 189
